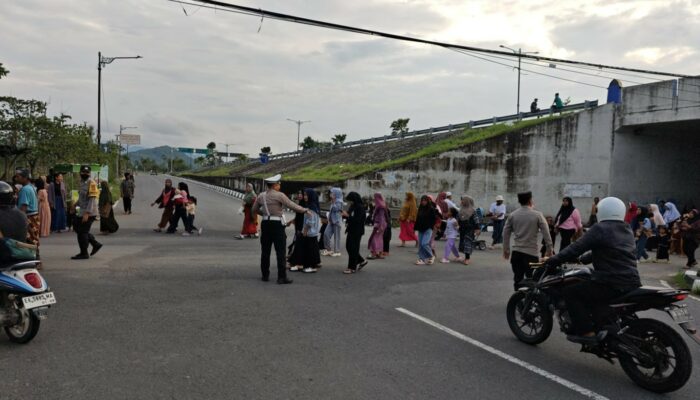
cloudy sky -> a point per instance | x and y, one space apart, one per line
211 76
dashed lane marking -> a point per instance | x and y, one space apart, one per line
539 371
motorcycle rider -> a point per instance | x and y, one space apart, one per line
13 222
611 249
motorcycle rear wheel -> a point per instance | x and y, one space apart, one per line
670 362
25 330
537 320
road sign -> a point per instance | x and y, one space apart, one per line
193 151
225 154
129 139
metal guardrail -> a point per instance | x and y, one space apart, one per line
432 131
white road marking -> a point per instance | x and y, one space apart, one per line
539 371
666 285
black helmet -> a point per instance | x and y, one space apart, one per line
7 194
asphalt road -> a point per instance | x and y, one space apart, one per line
157 316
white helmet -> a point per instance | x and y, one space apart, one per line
611 209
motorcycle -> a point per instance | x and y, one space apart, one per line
650 352
24 300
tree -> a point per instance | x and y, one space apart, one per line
3 71
200 161
400 126
212 158
265 150
339 139
309 143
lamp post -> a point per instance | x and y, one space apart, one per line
102 62
227 144
519 53
299 124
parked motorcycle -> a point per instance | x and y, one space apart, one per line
650 352
24 300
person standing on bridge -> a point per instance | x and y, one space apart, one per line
557 104
525 224
165 201
127 192
271 205
335 219
85 214
250 220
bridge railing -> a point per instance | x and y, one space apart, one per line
432 131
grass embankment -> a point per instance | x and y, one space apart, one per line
680 282
332 173
339 172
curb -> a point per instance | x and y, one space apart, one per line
692 279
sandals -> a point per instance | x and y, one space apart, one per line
420 262
349 271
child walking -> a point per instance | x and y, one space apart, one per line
451 233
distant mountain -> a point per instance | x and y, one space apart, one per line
158 154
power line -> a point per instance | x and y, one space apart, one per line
329 25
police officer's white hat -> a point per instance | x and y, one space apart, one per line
274 179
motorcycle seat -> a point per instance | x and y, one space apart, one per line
641 292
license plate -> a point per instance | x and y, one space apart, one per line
39 300
680 315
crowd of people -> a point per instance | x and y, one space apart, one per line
430 220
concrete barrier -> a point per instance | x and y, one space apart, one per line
693 280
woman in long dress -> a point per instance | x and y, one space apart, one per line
379 222
250 221
107 222
44 208
407 218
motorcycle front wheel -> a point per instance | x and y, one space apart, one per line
26 329
531 325
666 365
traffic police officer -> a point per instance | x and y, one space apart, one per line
270 205
86 212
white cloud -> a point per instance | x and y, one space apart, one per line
212 77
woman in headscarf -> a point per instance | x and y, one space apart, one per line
165 201
107 222
354 230
631 215
567 222
379 223
658 219
294 249
468 227
407 218
335 220
425 224
690 228
442 208
643 234
671 213
250 221
44 208
310 254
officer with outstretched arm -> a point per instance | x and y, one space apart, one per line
270 205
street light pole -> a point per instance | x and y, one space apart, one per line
102 62
519 53
299 124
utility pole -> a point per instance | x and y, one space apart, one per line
299 124
102 62
519 53
227 153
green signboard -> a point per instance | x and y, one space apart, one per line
193 151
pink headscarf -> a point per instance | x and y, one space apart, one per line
442 204
379 201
